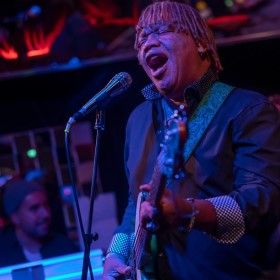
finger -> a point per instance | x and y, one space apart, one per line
111 276
147 210
126 270
123 269
107 277
145 187
117 272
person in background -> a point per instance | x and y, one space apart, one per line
215 217
46 178
27 236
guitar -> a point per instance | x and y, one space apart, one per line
168 167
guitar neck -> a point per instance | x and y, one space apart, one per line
168 165
157 184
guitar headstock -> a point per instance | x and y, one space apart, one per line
172 147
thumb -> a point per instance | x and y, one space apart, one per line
124 269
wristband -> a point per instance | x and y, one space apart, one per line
190 217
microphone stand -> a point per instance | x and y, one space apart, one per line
99 126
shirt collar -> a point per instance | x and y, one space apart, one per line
150 92
201 86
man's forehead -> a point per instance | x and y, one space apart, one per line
35 198
168 26
157 23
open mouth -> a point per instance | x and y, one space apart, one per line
156 61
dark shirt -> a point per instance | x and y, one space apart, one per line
53 246
237 157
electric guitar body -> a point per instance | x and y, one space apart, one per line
168 167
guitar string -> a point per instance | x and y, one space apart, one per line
141 233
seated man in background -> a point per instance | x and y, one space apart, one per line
27 235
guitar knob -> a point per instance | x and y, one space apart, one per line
152 226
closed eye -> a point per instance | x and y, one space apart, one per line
141 42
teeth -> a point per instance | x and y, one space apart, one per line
156 61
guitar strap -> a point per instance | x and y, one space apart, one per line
204 115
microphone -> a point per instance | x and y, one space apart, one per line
117 85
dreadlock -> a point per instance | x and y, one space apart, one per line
186 19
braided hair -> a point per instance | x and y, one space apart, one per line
183 18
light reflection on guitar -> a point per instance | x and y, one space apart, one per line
168 167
